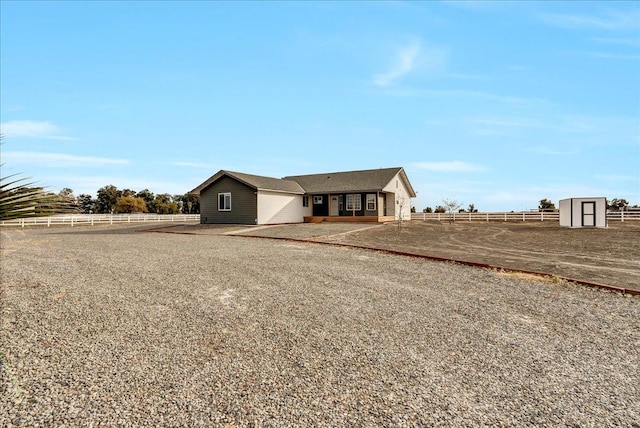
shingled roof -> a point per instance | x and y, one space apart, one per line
371 180
256 181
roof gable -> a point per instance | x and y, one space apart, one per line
256 181
373 180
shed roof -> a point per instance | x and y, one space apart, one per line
256 181
371 180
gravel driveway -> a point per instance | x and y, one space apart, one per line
108 327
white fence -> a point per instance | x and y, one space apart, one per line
515 216
91 219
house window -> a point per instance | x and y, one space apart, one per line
371 202
354 202
317 200
224 201
340 203
305 201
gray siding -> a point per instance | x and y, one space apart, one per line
244 205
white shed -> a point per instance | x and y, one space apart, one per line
583 212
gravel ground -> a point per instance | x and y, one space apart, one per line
107 327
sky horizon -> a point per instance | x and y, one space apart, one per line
496 104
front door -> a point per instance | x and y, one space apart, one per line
589 214
333 206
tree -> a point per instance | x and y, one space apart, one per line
427 210
451 207
617 204
472 208
546 205
86 203
164 204
440 209
128 192
401 202
107 198
130 204
148 197
66 192
192 204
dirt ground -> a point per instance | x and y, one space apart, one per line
608 256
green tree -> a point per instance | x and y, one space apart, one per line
130 204
107 198
427 210
192 203
546 205
616 204
164 204
149 198
66 192
86 203
440 209
128 192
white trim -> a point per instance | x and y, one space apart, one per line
225 195
371 198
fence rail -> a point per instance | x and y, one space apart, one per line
515 216
92 219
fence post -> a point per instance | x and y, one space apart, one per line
487 217
622 215
541 215
111 219
424 216
49 222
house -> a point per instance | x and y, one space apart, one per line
583 212
371 195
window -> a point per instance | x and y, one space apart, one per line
371 202
340 203
354 202
224 201
305 201
317 200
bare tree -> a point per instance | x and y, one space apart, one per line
401 202
451 205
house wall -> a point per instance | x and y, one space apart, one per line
572 215
243 203
275 208
398 199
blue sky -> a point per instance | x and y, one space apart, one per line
499 104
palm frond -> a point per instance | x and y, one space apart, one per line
19 199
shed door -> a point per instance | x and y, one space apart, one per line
589 214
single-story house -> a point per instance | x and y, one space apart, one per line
583 212
371 195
